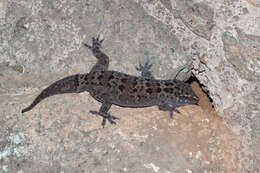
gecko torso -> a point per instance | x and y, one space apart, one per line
131 91
112 87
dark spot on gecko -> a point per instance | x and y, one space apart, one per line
100 77
93 83
159 90
158 84
123 80
109 85
86 77
168 83
141 88
148 84
101 83
139 97
121 87
166 90
134 83
149 90
114 83
141 82
93 77
134 90
111 77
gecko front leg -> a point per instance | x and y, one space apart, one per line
165 105
103 112
145 70
170 108
103 59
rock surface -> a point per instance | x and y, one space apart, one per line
218 42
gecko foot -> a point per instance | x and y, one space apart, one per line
171 112
106 116
145 70
168 107
96 44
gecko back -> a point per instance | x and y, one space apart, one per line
131 91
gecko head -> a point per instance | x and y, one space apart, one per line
188 96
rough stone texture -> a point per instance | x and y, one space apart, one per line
41 43
227 63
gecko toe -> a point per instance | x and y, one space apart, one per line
88 46
96 43
103 122
114 118
111 122
175 110
171 114
106 116
111 118
94 112
145 70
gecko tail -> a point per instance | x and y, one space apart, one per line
68 84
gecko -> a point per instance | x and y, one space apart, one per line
115 88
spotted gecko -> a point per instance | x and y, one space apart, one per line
116 88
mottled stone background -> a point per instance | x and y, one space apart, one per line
216 42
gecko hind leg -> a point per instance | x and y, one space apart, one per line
165 105
103 112
103 59
145 70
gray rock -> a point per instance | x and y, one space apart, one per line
41 42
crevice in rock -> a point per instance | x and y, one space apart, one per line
205 101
